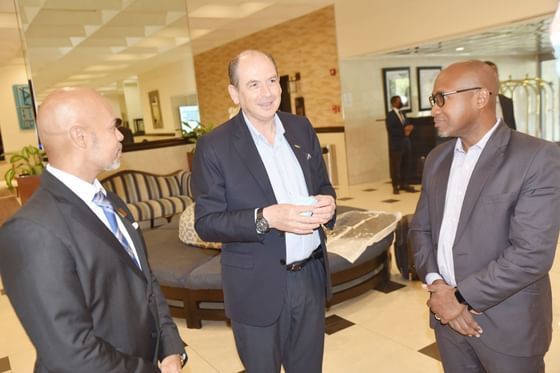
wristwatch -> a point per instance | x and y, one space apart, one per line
461 299
183 358
261 223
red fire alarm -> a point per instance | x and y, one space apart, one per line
335 109
332 71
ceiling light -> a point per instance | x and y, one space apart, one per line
460 49
105 67
228 11
130 57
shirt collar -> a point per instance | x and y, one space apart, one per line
257 136
481 144
86 191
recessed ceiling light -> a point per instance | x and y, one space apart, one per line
460 49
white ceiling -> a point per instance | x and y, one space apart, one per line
77 42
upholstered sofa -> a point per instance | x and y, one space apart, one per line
151 197
190 276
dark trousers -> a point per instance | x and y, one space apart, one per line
400 165
471 355
296 339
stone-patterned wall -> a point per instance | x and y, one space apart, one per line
306 45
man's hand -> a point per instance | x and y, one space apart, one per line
291 218
442 301
324 208
408 129
295 219
448 310
171 364
465 324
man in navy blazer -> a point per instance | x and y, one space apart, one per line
262 189
485 230
400 148
504 105
88 302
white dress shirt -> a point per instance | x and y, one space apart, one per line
86 191
288 184
462 168
399 114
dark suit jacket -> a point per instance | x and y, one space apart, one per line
395 132
507 110
229 182
83 302
506 236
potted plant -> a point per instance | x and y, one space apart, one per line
195 131
26 166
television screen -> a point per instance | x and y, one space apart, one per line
190 117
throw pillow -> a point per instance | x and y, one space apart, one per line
188 235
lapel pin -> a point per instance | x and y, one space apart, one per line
135 225
297 146
308 156
122 213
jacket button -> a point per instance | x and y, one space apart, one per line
154 334
282 262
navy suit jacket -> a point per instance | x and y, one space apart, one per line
229 182
81 299
395 132
506 236
507 110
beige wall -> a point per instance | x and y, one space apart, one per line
365 26
171 80
13 137
306 45
157 161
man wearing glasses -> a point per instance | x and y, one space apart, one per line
485 230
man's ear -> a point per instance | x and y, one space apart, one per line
483 97
233 93
78 136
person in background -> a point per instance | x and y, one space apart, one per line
485 230
72 260
504 104
261 188
400 147
128 137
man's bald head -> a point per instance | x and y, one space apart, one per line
69 121
472 73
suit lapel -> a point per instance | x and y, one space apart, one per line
82 214
134 236
247 149
440 189
302 156
487 166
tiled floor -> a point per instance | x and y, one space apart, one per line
389 334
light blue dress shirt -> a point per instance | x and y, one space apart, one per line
288 184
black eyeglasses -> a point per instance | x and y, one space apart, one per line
439 98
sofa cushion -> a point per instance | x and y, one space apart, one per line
188 234
151 196
159 208
171 260
207 276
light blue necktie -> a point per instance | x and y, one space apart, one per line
100 200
